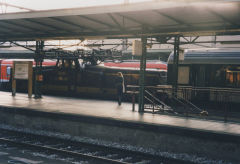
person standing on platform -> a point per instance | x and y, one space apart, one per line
120 87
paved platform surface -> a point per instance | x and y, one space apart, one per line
110 109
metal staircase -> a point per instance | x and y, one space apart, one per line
154 104
188 106
179 105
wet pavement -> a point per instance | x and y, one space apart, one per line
111 110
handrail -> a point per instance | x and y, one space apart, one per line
169 87
153 104
185 104
187 96
148 99
155 98
181 100
192 104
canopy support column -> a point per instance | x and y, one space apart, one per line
38 68
142 75
175 65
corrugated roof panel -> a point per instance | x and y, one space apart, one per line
103 19
124 22
72 22
192 15
81 21
15 26
28 23
118 21
5 30
54 24
150 18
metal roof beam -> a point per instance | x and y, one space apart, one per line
67 22
97 21
74 24
22 46
51 26
136 21
57 28
123 34
115 21
205 46
44 24
195 39
8 31
21 26
172 18
224 18
190 41
44 31
132 17
185 39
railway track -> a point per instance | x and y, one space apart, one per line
81 151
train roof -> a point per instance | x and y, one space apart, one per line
10 62
209 56
156 65
101 66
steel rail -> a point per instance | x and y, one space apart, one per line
65 152
144 156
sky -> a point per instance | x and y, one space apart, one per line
57 4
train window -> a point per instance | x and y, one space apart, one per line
237 79
183 75
8 71
233 77
229 77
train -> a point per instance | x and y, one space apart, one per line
6 70
206 74
70 77
98 80
209 74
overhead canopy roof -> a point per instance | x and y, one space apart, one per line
162 17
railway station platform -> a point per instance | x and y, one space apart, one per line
105 120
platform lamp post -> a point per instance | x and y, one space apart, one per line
39 55
175 65
142 74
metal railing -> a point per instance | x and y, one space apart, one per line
156 104
220 103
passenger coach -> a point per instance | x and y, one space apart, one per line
215 70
